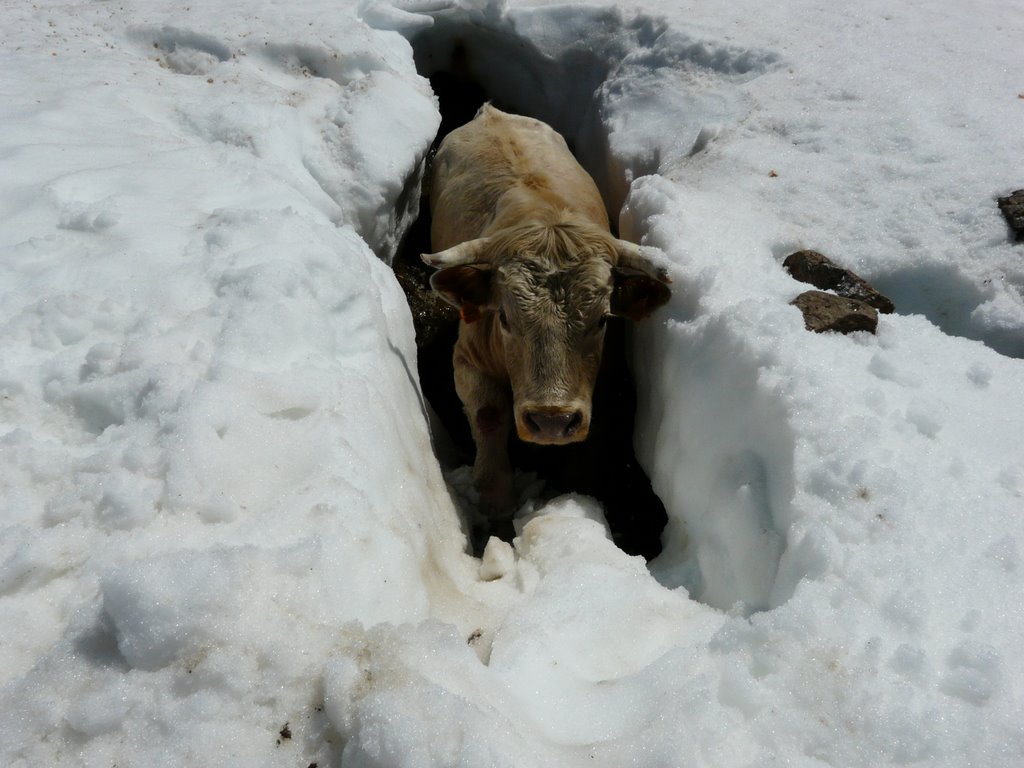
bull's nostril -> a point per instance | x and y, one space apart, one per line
575 422
552 426
531 423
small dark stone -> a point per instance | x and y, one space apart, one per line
821 272
286 732
828 312
1012 207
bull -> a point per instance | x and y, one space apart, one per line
524 250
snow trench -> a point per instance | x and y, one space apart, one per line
710 431
604 467
224 538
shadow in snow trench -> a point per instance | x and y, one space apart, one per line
948 299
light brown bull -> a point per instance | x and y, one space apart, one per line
522 241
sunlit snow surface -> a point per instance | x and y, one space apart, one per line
225 540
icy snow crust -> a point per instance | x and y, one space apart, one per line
220 510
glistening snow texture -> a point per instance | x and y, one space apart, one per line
219 510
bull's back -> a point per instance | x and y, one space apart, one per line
498 168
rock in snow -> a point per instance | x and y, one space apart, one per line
219 509
828 312
1012 207
820 271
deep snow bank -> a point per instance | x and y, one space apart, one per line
214 454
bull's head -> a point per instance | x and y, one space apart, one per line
548 300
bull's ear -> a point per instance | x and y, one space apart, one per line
636 295
467 286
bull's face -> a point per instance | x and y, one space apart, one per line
550 322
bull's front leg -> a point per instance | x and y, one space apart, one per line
488 406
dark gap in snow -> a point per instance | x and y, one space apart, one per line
460 60
98 645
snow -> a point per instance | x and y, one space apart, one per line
224 537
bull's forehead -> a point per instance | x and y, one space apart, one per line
569 290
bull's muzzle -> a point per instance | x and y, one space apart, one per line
552 425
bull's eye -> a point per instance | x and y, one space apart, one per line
503 319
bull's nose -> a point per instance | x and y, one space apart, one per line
553 427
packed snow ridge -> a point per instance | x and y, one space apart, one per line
225 538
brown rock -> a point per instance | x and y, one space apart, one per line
828 312
1012 207
821 272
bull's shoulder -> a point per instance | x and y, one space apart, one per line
496 120
496 142
501 168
